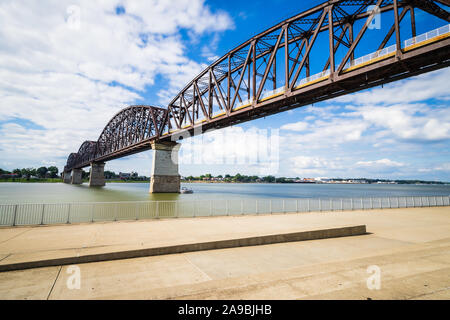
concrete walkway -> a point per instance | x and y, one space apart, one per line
410 246
35 243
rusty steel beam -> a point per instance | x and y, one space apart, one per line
215 89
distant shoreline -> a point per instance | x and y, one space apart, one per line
50 180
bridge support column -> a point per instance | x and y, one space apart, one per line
67 178
77 176
165 177
97 176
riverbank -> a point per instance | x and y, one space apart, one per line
16 193
58 180
413 258
32 180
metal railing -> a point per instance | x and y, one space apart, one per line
371 57
385 52
427 36
313 78
268 94
60 213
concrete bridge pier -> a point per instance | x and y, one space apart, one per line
67 178
165 177
97 176
77 176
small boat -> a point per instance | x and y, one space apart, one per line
186 190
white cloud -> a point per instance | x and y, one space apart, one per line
409 121
168 16
432 85
442 167
305 166
297 126
253 151
380 163
62 77
324 134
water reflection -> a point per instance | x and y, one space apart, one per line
64 193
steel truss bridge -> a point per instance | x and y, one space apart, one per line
285 67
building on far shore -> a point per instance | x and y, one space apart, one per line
123 175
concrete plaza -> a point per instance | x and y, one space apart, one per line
411 248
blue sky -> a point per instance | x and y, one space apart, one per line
68 66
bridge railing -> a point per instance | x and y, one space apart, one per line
272 93
314 78
389 51
427 36
364 60
63 213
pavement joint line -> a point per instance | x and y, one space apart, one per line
54 282
429 293
5 257
15 236
344 231
196 267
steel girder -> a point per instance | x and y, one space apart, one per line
129 127
238 79
245 83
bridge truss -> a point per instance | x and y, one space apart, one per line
313 56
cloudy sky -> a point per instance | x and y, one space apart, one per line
66 67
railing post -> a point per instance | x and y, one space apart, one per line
320 204
42 215
136 210
351 204
296 205
414 202
309 207
68 213
210 208
92 212
256 206
157 210
242 206
284 206
362 204
371 203
270 206
115 212
226 207
177 209
15 215
342 204
381 203
389 202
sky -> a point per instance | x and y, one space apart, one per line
67 67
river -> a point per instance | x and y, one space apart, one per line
64 193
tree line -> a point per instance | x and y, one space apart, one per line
27 173
239 178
